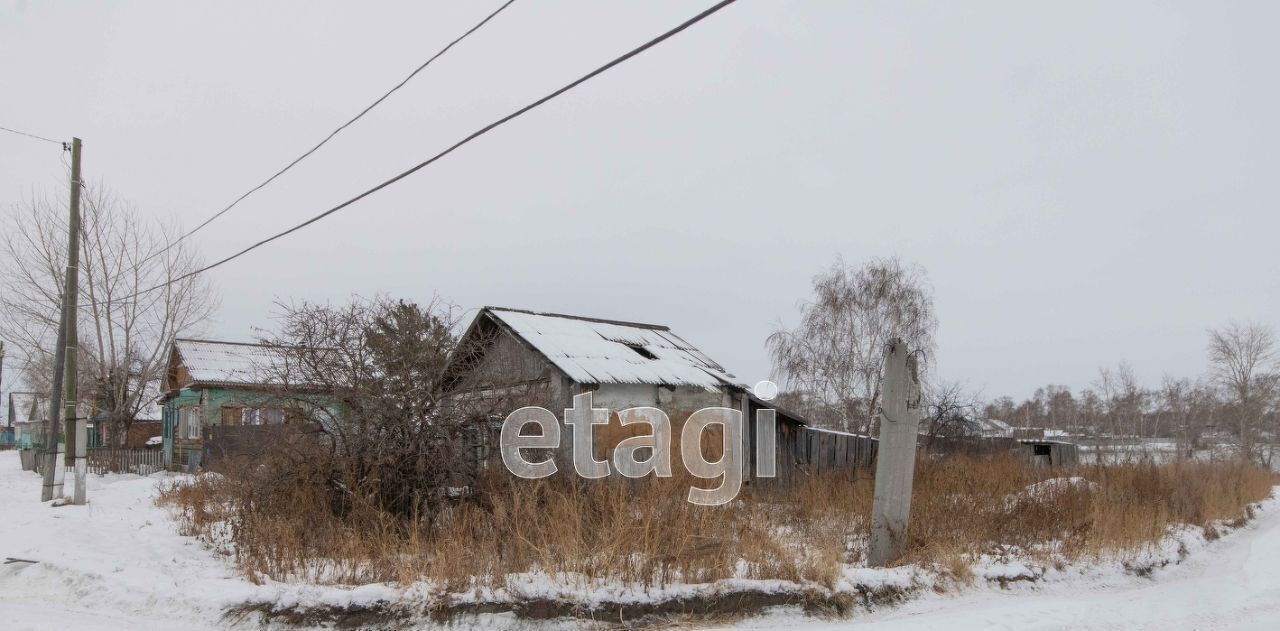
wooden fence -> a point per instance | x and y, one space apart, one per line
104 460
806 451
967 445
823 451
1040 452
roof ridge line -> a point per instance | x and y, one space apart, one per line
551 314
201 341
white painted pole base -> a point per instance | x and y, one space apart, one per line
53 490
82 463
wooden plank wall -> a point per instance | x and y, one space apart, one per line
802 452
969 445
1064 454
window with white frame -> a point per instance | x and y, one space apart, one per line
250 416
189 422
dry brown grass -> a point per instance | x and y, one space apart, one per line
285 527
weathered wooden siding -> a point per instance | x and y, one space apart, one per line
221 406
506 362
816 451
1050 453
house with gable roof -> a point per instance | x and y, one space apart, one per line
210 384
27 418
545 359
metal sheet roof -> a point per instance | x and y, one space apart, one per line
602 351
230 362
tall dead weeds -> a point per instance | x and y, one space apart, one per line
284 525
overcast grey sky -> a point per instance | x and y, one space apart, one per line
1084 182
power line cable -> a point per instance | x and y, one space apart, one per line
333 133
29 135
482 131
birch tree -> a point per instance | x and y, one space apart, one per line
1241 357
125 331
834 358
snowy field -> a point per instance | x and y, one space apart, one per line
119 563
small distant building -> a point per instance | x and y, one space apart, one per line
1037 445
27 418
993 428
1045 452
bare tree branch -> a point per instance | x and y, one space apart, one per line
124 337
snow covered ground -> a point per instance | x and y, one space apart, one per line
114 563
1233 583
119 563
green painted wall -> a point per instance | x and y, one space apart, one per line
212 400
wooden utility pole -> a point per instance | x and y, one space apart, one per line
54 468
8 422
896 460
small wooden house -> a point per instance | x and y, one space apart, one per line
210 384
530 358
27 418
1049 453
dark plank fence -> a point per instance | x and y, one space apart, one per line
805 451
967 445
823 451
227 446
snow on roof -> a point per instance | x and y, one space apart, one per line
229 362
997 424
150 410
840 433
992 425
24 402
606 351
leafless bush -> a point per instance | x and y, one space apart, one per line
369 375
950 410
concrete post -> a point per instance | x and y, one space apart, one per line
895 465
